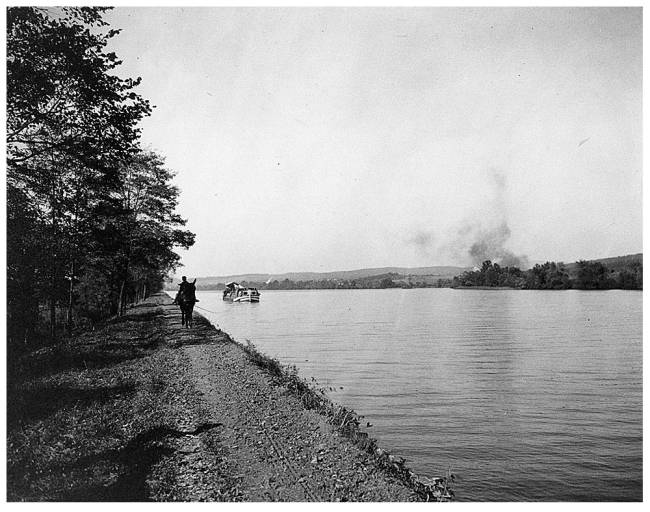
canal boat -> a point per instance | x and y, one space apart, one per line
235 292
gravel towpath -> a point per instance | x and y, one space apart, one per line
143 409
277 449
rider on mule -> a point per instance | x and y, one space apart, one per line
184 285
186 298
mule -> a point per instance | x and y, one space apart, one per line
186 300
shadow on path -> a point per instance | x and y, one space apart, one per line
137 457
37 403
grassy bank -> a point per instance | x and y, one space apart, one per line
105 416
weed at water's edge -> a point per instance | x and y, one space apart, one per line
347 422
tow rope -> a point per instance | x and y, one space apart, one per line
207 310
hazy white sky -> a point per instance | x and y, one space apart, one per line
341 138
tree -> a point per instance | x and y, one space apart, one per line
137 230
91 216
631 277
549 276
23 234
69 121
62 95
592 275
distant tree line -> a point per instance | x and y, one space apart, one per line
587 275
378 281
389 280
626 272
90 214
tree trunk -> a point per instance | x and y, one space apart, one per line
120 302
70 297
53 316
53 254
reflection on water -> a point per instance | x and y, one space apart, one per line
525 395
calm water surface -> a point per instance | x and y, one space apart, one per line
525 395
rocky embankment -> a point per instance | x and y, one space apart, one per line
146 410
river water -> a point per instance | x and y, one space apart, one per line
524 395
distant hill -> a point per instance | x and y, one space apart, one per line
616 263
443 271
424 275
440 272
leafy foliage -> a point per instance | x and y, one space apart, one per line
549 276
90 216
588 275
491 275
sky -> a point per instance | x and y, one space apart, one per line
322 139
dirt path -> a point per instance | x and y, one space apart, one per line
282 451
147 410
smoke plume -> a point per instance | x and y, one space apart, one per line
490 246
424 241
475 240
